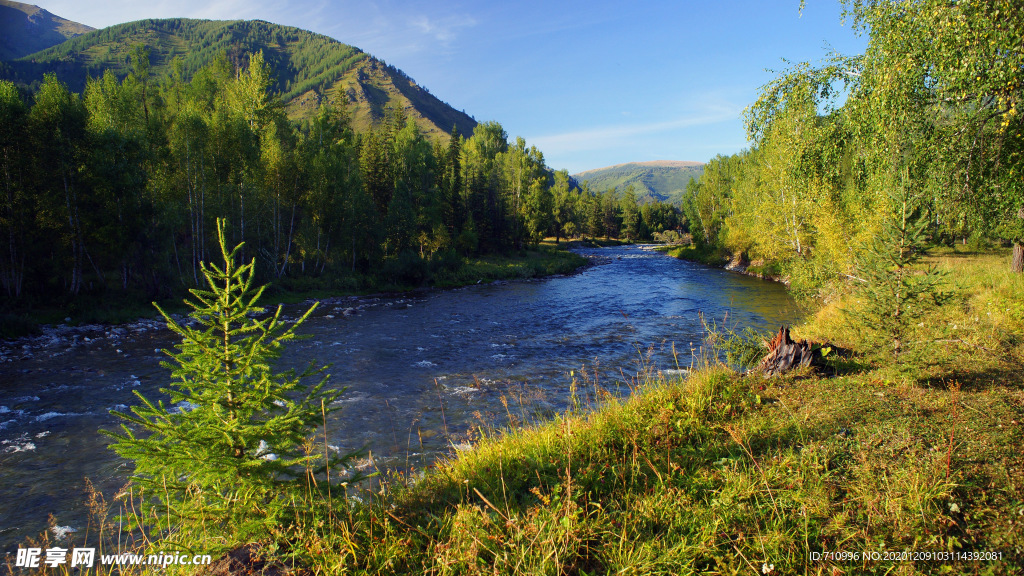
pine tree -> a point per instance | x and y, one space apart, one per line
894 294
238 439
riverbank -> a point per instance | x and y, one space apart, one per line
843 470
88 317
863 467
732 262
434 364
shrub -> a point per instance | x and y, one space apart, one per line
407 269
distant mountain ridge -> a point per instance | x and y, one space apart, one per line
25 29
662 180
652 163
306 66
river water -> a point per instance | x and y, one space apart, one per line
422 371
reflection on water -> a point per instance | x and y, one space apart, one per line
421 371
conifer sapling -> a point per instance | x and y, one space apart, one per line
233 445
894 294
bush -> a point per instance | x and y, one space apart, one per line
407 269
15 326
978 243
445 260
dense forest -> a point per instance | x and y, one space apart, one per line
927 119
116 192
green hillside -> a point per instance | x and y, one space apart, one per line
306 66
662 180
25 29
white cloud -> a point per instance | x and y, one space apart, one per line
386 28
618 135
443 29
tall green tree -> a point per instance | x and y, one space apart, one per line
57 125
935 98
631 221
191 184
375 165
450 184
592 206
539 205
611 213
329 152
17 213
562 206
414 212
117 176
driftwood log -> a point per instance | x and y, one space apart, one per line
785 354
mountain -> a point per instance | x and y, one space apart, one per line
25 29
306 66
663 180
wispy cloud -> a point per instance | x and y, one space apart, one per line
443 29
392 29
608 136
389 28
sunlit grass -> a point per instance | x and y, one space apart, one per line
722 473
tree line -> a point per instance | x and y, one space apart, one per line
928 116
116 190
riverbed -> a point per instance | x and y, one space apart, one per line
422 371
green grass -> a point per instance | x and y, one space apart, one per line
723 473
710 256
116 308
597 242
545 260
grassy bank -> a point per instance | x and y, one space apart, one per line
596 243
727 474
543 260
841 470
719 258
710 256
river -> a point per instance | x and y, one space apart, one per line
422 371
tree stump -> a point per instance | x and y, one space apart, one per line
785 354
247 560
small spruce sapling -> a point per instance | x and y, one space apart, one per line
231 451
894 294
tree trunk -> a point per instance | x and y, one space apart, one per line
1017 265
288 248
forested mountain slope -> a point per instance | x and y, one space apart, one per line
25 29
662 180
305 67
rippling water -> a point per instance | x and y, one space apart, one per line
421 371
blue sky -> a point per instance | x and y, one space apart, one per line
590 83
